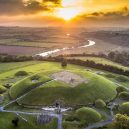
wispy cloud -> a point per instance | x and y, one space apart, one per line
14 7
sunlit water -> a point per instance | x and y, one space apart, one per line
44 54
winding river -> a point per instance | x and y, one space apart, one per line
44 54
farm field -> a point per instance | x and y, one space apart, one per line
15 40
99 60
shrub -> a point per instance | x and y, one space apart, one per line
64 63
100 103
124 108
88 115
124 95
21 73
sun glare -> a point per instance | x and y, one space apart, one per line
67 13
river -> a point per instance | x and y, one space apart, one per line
44 54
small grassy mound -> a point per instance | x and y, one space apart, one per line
124 108
88 115
100 103
26 84
21 73
97 88
124 95
2 89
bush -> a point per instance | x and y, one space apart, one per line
124 108
124 95
21 73
100 103
64 63
2 89
88 115
120 89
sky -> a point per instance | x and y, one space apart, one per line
84 13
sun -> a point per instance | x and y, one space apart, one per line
67 13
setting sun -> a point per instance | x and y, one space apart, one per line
67 13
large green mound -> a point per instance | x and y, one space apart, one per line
88 115
124 108
96 88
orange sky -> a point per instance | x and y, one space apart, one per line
58 12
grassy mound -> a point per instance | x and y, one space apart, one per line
88 115
2 89
97 88
100 103
21 73
124 108
27 84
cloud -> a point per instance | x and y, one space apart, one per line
123 12
118 18
15 7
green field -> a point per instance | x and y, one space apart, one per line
57 42
10 66
99 60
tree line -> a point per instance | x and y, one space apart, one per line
14 58
90 64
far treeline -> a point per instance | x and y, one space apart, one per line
122 58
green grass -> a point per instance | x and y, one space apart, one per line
99 60
14 65
97 88
6 122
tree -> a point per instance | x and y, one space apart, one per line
15 122
121 122
64 63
